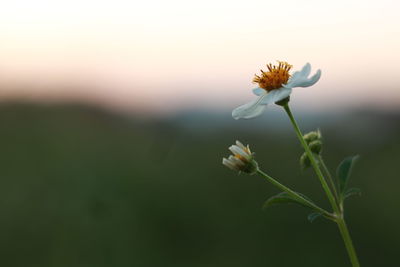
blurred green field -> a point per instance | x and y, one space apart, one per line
81 186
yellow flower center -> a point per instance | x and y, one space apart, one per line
240 157
275 77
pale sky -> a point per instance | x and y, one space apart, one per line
172 55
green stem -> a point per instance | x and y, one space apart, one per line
312 160
348 243
330 179
338 212
295 195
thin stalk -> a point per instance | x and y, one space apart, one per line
338 212
294 194
330 179
348 242
312 160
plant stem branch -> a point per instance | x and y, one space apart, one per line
330 179
337 212
295 195
348 242
312 160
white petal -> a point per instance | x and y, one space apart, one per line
225 161
298 80
231 158
239 144
237 162
305 71
298 76
234 161
276 95
259 91
229 164
249 110
237 150
311 81
294 80
249 151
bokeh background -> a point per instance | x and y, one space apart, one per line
115 115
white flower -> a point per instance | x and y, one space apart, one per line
275 85
242 159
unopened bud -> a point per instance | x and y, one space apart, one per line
305 161
316 146
242 159
312 136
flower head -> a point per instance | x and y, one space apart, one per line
242 159
275 85
275 77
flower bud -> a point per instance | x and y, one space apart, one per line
242 159
312 136
316 146
305 161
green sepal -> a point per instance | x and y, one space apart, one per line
312 216
283 102
352 192
343 172
284 198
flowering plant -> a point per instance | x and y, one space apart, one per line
275 86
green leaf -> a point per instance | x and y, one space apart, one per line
343 172
352 192
283 198
312 216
